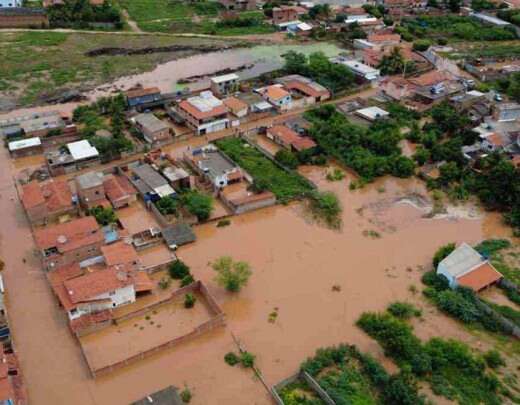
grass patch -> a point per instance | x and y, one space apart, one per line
285 186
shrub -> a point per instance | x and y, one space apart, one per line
326 207
231 359
489 247
335 175
104 216
403 310
231 275
442 41
198 204
493 359
189 300
164 283
421 45
178 270
287 159
455 304
186 395
442 253
402 390
187 280
247 359
167 205
223 222
436 281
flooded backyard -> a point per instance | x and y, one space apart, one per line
295 263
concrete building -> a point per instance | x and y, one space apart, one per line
25 147
119 191
359 69
46 202
289 139
153 129
372 113
90 189
277 96
226 84
467 268
285 13
70 242
139 97
301 86
150 183
216 167
204 113
237 107
506 112
238 5
75 156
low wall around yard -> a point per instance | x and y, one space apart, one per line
217 320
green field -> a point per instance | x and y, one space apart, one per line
39 64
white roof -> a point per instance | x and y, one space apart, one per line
351 19
304 27
372 113
357 66
82 150
288 23
490 19
461 260
224 78
263 105
164 191
475 93
24 143
205 101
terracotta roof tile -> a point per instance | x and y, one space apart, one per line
118 187
70 235
288 136
142 92
55 194
480 277
276 92
119 253
198 114
430 78
306 89
375 38
234 104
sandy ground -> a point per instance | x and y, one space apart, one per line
295 264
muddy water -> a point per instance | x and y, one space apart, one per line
262 58
295 263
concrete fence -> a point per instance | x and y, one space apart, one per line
509 326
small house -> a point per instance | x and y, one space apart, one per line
225 84
277 96
466 267
152 128
25 147
139 97
90 189
119 190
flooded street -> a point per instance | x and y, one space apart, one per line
295 265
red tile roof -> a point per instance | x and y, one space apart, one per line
430 78
142 282
90 319
375 38
118 187
142 92
288 136
495 139
275 92
91 285
480 277
119 253
55 194
70 235
306 89
198 114
234 104
64 273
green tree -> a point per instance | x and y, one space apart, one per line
230 274
104 216
198 204
286 158
442 253
178 270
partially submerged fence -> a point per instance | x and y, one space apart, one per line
311 382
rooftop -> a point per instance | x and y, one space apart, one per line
234 104
178 234
89 180
288 136
205 105
149 176
480 277
49 122
117 187
142 92
276 92
55 194
214 163
82 150
69 235
372 113
119 253
224 78
462 259
150 122
24 144
166 396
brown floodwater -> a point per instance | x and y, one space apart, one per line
295 262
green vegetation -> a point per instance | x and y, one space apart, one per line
187 280
299 393
456 27
335 175
268 176
178 270
189 300
511 15
186 395
81 14
449 366
247 359
106 113
335 77
442 253
371 152
287 158
511 86
230 274
403 310
223 222
40 65
395 63
325 206
231 358
198 204
494 359
104 216
351 377
168 205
